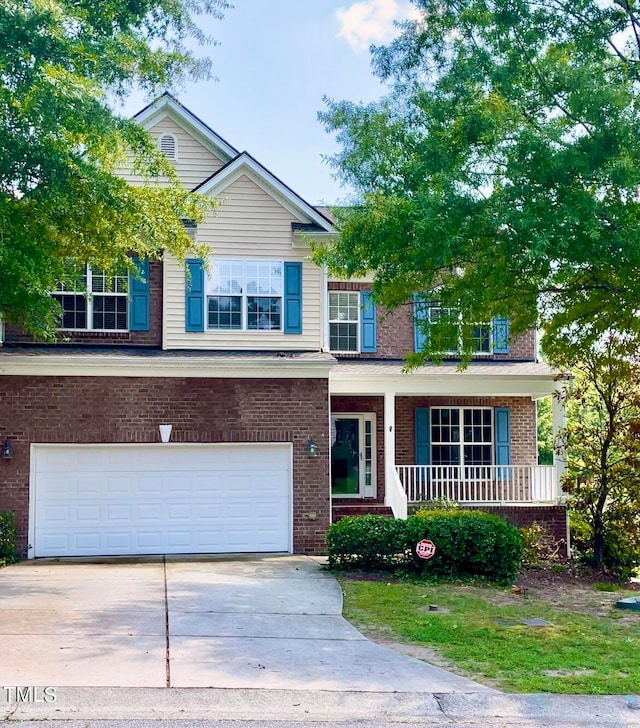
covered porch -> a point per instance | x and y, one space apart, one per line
440 433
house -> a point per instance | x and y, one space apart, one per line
284 389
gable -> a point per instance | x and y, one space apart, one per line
194 162
248 221
245 164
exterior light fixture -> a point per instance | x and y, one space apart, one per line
7 449
312 448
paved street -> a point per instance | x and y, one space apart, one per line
105 707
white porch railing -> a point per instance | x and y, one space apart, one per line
479 483
396 495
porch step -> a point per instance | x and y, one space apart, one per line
361 509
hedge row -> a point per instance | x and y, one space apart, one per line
468 543
8 552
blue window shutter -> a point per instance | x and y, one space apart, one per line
293 298
503 436
368 323
139 297
500 335
194 295
423 436
420 314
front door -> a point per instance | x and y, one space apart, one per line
352 456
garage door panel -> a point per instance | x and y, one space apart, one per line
88 541
180 511
148 511
86 485
88 514
115 541
130 499
57 514
179 539
119 485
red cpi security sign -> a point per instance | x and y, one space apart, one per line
425 549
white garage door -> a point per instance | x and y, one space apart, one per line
97 500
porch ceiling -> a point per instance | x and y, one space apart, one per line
480 378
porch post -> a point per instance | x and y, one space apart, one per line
389 437
559 422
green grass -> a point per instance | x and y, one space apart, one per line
578 654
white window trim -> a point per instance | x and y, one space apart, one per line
350 321
173 158
366 491
429 305
460 442
89 295
243 296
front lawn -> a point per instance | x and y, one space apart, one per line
589 647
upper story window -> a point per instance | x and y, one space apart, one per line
245 295
451 320
91 300
168 145
344 321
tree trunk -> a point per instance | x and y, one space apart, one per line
598 542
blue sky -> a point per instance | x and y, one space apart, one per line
275 62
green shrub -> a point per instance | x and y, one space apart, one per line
435 504
8 551
468 543
367 542
621 555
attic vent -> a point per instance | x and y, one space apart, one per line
168 146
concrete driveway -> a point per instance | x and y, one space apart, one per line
272 622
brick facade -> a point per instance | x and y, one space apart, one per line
553 518
523 424
152 338
396 337
129 410
522 420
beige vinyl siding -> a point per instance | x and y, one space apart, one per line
195 163
249 223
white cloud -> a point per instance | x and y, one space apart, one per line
371 21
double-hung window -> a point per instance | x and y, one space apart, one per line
461 436
91 300
344 321
245 295
453 329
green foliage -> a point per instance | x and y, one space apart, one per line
468 543
603 477
435 504
478 632
60 142
499 174
366 542
545 431
8 552
606 586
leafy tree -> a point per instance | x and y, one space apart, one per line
545 431
500 173
603 477
60 142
